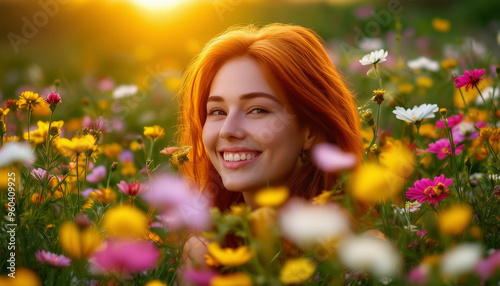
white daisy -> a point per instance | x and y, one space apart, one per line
423 63
14 152
418 113
374 57
125 91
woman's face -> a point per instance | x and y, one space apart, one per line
252 139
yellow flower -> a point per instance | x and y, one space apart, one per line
263 221
134 146
210 261
424 82
154 132
271 197
322 198
78 243
105 196
128 169
77 145
239 209
180 157
155 282
39 136
29 99
373 183
405 88
10 138
239 278
24 277
125 221
3 113
112 150
455 219
398 159
229 256
88 204
441 25
487 132
297 270
449 64
428 130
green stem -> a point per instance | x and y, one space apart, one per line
487 104
85 172
29 122
463 99
109 177
375 130
378 76
417 139
78 188
453 157
493 154
47 144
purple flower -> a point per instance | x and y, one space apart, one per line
469 79
39 175
97 175
487 267
131 189
330 158
126 257
180 206
52 259
126 155
466 131
430 191
452 121
442 148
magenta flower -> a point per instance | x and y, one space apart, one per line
52 259
39 175
126 257
53 99
199 277
179 205
419 275
442 148
421 233
430 191
97 175
488 266
330 158
469 79
132 189
452 121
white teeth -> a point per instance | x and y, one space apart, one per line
231 157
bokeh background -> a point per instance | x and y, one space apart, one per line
89 47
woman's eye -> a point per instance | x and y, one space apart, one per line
257 110
216 112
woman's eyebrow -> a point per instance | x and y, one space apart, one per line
246 96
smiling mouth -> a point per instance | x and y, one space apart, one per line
238 156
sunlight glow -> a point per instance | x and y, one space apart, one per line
158 4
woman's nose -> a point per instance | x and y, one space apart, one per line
233 127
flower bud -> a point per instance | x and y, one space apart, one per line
473 183
378 96
140 140
443 111
367 117
82 221
54 131
114 166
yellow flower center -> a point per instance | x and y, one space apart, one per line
446 151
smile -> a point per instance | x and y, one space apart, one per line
236 160
238 156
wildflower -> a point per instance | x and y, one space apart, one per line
487 267
405 88
181 207
441 25
154 132
128 169
112 150
77 145
374 57
170 150
29 100
424 82
125 221
53 100
199 276
442 148
330 158
428 130
461 259
105 196
423 63
117 256
367 116
430 191
229 256
180 157
306 224
77 242
398 159
132 189
452 121
11 105
374 183
39 136
369 254
97 175
238 278
52 259
412 206
466 131
449 64
378 96
262 220
39 175
271 197
155 282
322 198
3 113
487 93
296 271
417 114
123 91
23 277
455 219
14 152
469 79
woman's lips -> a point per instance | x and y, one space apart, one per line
235 160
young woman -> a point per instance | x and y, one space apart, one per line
254 103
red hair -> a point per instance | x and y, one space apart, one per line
298 67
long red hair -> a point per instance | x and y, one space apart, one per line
295 62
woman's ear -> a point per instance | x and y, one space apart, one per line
310 138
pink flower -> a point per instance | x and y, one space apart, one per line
97 175
180 206
132 189
430 191
442 148
52 259
126 257
466 130
39 175
330 158
421 233
53 99
469 79
452 121
199 277
419 275
487 267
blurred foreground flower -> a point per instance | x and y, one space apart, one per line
23 277
331 158
374 57
452 121
297 270
423 63
488 266
430 191
124 257
373 183
455 219
461 259
125 221
229 256
469 79
200 277
97 175
369 254
271 197
238 278
13 152
78 242
52 259
417 113
124 91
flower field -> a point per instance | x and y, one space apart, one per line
91 193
